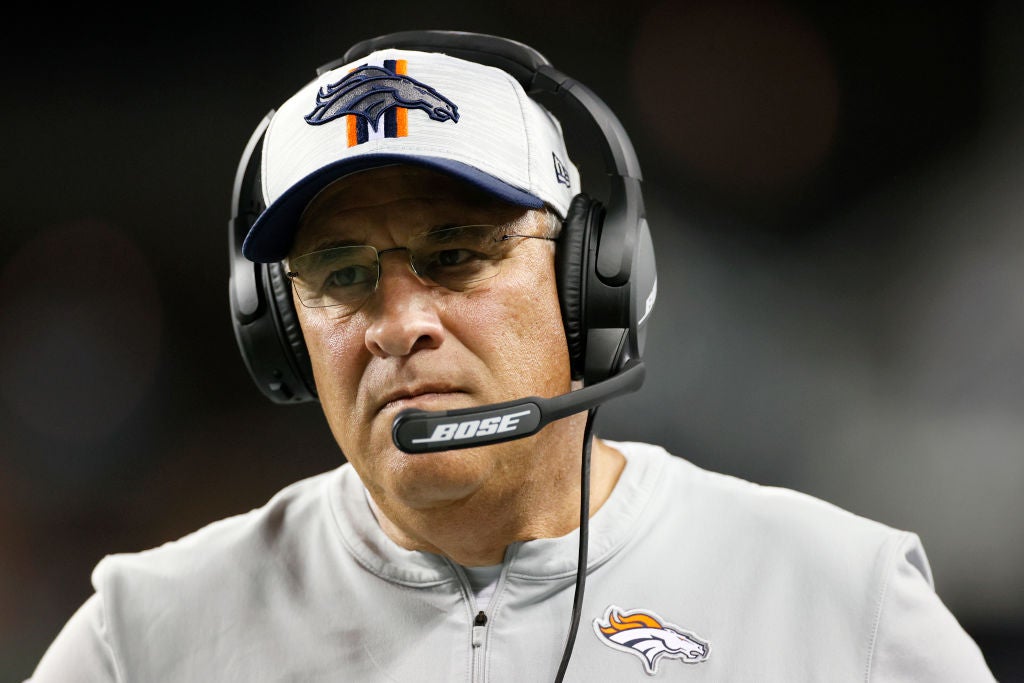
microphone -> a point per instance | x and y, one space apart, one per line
421 431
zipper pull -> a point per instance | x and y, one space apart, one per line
479 624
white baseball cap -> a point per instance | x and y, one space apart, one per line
400 106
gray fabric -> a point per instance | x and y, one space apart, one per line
783 587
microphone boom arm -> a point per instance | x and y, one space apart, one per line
419 431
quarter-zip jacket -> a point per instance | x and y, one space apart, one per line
757 583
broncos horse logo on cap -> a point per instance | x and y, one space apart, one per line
369 91
649 637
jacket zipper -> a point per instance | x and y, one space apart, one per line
478 635
480 621
479 628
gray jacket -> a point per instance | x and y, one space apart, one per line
692 576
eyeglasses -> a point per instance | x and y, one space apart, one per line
458 259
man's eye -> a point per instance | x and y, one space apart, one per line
456 268
454 257
348 276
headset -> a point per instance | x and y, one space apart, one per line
605 270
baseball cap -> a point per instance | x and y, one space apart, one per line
401 106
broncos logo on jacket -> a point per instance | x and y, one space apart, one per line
647 636
369 91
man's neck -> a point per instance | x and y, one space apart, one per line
477 531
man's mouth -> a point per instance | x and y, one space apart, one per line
423 397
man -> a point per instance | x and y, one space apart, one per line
417 200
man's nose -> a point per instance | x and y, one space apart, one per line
404 312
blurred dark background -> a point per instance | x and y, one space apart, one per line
834 193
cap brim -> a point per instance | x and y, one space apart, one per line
273 233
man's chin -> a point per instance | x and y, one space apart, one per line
432 480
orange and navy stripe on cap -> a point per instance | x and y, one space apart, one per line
396 119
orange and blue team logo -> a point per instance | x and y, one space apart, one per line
649 637
368 94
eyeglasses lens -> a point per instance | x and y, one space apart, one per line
456 258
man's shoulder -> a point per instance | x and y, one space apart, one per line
727 510
225 547
807 556
758 570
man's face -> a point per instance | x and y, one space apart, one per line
417 345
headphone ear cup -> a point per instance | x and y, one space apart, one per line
572 265
287 320
262 313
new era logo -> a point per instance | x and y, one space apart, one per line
561 172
